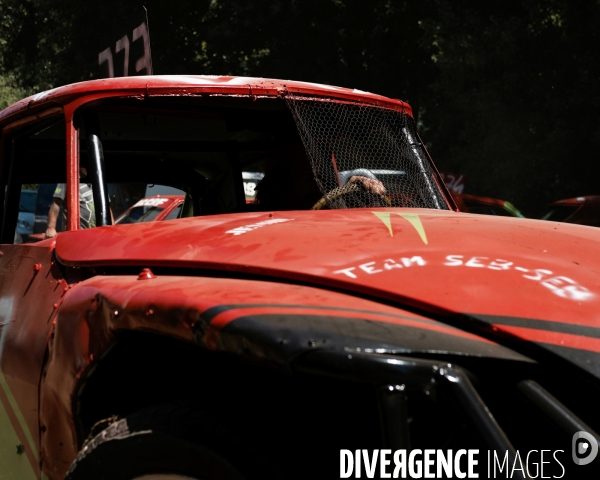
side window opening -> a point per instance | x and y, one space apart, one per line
34 204
34 161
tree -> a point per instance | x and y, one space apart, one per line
504 92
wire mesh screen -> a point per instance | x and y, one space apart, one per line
364 156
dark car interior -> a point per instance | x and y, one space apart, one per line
311 155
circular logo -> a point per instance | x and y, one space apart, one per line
585 448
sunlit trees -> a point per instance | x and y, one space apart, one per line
504 92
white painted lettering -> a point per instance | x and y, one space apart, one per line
368 267
347 272
151 202
123 44
539 274
474 262
454 260
106 56
145 61
407 262
389 264
571 290
499 264
254 226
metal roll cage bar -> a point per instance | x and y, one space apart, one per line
392 373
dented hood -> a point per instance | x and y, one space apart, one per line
530 279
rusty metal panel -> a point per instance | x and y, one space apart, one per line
31 287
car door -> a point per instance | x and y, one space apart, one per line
32 154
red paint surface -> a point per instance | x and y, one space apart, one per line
311 246
27 295
555 338
588 199
75 95
172 202
72 194
87 323
493 202
223 319
183 85
585 210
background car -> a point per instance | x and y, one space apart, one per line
581 210
485 205
251 180
153 209
27 207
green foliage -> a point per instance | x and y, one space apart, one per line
515 104
10 91
504 92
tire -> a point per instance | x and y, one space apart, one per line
172 442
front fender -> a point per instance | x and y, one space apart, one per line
267 321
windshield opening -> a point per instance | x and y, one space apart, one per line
365 154
233 155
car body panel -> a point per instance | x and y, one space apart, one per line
273 285
183 85
31 287
484 266
243 317
66 99
485 205
28 324
580 210
166 204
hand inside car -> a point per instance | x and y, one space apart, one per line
370 185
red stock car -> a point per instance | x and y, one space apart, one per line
152 209
580 210
485 205
351 306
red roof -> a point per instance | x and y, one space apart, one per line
182 85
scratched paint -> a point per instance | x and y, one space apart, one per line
28 289
8 435
13 461
11 404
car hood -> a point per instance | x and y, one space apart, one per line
525 279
